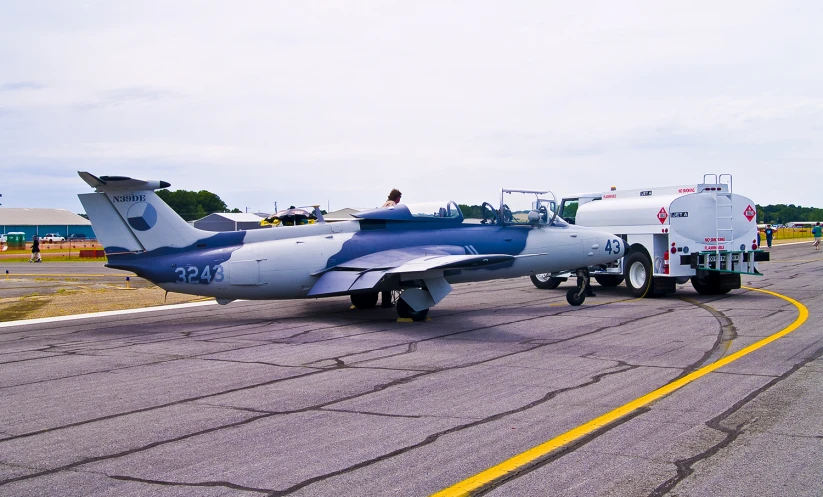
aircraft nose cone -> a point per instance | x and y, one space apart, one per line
608 246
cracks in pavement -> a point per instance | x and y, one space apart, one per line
159 406
89 460
559 453
455 429
727 332
685 467
223 484
726 335
322 406
340 362
380 414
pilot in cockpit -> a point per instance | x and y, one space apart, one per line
394 198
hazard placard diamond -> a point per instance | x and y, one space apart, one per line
750 213
662 215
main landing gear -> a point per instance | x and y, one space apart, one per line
404 310
576 296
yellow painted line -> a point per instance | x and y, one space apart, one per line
484 478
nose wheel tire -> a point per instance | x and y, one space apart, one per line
574 297
404 310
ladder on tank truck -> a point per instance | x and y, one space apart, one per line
717 259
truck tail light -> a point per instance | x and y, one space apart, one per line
754 244
665 263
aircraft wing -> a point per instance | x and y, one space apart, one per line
367 272
450 262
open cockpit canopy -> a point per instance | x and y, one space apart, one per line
523 207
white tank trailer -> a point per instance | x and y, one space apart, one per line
703 232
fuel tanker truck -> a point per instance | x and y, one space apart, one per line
700 232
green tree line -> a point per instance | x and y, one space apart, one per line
471 211
192 205
782 214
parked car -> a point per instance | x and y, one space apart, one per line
78 237
52 237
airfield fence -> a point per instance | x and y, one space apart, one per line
788 233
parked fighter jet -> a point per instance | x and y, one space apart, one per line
418 250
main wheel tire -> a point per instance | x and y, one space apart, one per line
608 280
574 298
545 282
639 274
404 310
364 300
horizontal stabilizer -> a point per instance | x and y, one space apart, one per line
112 183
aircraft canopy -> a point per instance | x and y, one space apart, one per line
421 211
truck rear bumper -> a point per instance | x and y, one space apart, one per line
725 261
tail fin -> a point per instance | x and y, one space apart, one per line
127 216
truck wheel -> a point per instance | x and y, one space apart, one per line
639 274
404 310
364 300
710 284
608 280
546 282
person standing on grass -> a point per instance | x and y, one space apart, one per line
816 231
35 249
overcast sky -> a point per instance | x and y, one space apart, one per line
336 102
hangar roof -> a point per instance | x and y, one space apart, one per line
239 217
344 214
10 216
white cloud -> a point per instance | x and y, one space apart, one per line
341 101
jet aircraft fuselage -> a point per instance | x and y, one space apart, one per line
418 249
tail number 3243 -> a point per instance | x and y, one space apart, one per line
193 274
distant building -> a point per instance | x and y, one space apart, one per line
227 221
43 221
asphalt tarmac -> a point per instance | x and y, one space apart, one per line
310 398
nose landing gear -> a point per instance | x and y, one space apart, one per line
576 296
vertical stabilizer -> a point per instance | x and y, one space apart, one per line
127 216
